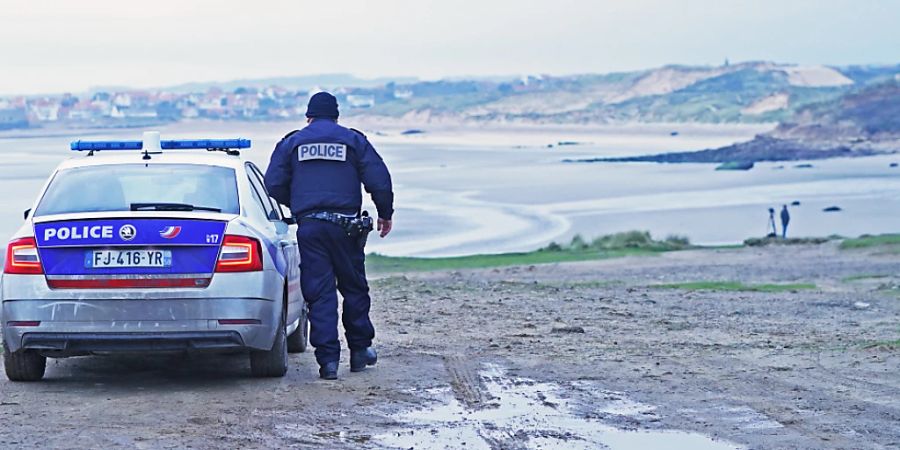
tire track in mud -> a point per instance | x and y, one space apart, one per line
466 382
469 388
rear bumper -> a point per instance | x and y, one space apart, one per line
67 344
81 326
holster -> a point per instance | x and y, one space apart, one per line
357 228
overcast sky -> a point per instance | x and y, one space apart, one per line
56 46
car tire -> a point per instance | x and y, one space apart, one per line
24 365
271 363
298 341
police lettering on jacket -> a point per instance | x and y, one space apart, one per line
326 151
321 167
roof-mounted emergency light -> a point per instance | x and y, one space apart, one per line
152 143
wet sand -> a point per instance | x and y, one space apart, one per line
464 189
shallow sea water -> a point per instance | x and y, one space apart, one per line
495 197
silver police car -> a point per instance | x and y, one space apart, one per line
153 246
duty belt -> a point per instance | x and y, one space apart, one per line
340 219
355 227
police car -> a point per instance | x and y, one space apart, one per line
153 246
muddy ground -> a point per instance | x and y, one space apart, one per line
496 358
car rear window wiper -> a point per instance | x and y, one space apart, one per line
171 207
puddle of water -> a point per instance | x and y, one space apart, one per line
738 416
300 432
529 414
615 403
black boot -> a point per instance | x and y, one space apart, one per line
328 371
359 359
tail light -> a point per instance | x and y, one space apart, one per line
22 257
24 323
239 254
239 321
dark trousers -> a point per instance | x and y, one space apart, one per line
332 261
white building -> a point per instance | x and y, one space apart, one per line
361 101
403 94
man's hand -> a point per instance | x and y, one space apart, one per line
384 227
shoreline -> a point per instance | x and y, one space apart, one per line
452 133
555 253
760 149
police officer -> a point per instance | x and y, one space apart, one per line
317 172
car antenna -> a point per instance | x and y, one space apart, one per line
150 144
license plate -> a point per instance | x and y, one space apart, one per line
106 259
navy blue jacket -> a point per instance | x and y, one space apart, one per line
320 168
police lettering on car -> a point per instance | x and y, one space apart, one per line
78 233
318 173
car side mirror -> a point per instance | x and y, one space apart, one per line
289 220
26 213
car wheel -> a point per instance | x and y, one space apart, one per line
299 339
24 365
271 363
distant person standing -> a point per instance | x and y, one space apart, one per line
774 232
785 219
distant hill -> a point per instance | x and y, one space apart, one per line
746 92
863 121
749 92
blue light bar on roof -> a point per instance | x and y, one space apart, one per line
106 145
190 144
205 144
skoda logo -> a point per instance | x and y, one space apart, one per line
127 232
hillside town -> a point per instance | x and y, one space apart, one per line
140 108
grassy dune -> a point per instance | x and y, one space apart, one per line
632 243
866 241
379 263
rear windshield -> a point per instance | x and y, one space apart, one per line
116 188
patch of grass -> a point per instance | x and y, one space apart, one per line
621 241
886 345
735 165
864 276
734 286
630 243
381 264
632 240
721 247
592 284
889 288
581 284
764 241
868 241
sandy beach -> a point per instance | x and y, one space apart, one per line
474 188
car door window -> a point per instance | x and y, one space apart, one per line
262 199
255 173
